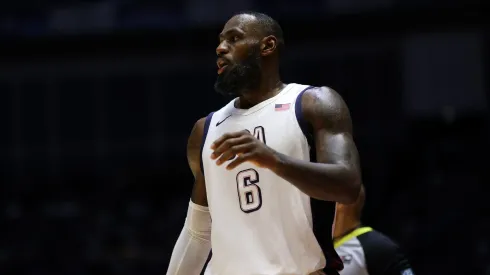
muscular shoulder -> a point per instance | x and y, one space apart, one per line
323 107
194 144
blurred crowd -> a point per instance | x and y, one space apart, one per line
126 222
94 177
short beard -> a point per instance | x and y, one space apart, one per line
241 77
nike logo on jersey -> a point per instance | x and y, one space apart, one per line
219 122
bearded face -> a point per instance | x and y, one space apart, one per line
239 77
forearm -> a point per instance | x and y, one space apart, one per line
323 181
193 245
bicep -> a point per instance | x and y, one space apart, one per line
331 124
194 142
336 148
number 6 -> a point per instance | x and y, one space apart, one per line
249 193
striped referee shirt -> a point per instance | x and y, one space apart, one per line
365 251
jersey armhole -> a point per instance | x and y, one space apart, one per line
304 125
322 212
204 135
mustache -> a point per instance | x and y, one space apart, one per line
224 61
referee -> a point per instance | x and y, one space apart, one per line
363 250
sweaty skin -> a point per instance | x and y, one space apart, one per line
194 159
336 174
248 57
335 177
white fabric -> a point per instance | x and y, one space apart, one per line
262 224
193 245
352 254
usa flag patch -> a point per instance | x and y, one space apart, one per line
282 107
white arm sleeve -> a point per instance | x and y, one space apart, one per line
194 243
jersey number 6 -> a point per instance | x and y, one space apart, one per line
249 193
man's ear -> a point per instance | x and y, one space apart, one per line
268 45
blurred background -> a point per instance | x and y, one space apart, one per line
97 99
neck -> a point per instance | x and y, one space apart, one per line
344 226
269 87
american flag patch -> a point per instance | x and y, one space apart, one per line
282 107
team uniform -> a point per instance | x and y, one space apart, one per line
365 251
262 224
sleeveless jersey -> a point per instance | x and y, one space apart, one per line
261 223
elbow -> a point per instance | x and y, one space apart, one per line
351 193
352 188
344 190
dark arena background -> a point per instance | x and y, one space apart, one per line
97 99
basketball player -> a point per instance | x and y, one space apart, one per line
363 250
264 165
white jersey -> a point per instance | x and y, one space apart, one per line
262 224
